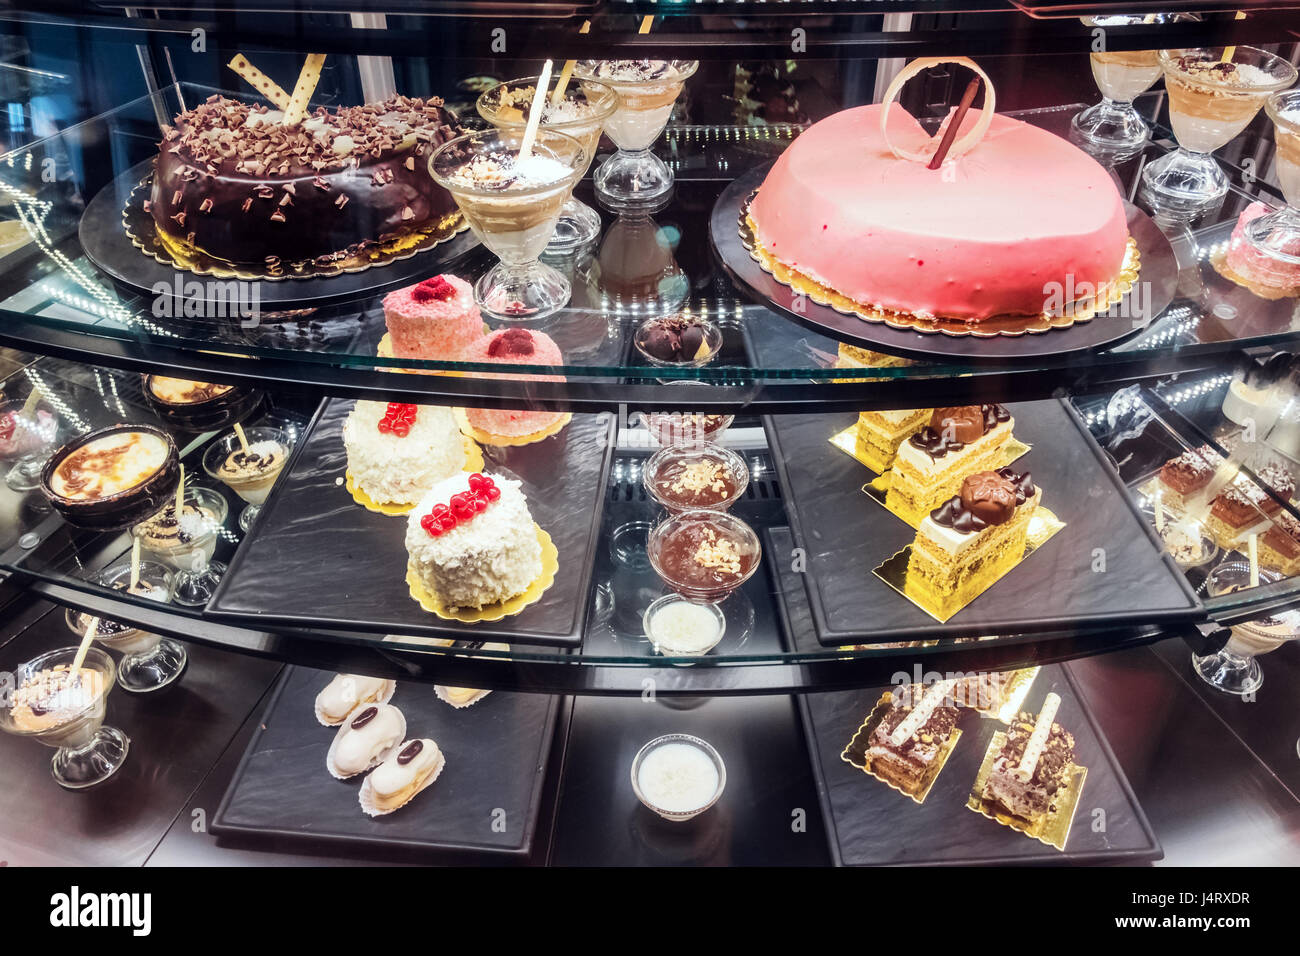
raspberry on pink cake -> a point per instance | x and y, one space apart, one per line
435 319
1264 274
514 347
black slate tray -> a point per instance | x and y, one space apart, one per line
868 823
496 751
1159 271
316 557
846 534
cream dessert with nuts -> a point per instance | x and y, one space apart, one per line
647 90
511 203
182 543
1211 101
250 474
56 696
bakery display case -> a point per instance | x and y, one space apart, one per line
594 410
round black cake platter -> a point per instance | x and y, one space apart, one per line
1159 275
108 244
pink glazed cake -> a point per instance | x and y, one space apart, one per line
981 236
436 319
514 347
1265 274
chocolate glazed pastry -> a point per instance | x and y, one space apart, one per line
953 428
987 497
327 189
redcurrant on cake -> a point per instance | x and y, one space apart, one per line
434 319
397 452
514 347
472 542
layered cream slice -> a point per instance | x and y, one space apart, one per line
930 466
109 465
880 433
970 541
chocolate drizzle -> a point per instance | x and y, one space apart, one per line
935 443
956 514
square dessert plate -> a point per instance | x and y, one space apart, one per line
486 800
317 558
1105 567
871 824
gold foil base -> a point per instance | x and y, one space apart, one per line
1009 325
492 612
1053 827
893 571
1219 261
143 232
856 752
508 441
473 463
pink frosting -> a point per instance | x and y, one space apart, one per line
514 347
1259 267
983 236
423 325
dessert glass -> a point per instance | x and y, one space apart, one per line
252 486
712 636
86 752
1234 669
696 743
1186 539
516 220
672 455
1207 111
646 92
149 661
190 553
680 530
1277 235
582 115
710 336
26 440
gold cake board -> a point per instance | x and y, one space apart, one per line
863 763
509 441
492 612
1053 828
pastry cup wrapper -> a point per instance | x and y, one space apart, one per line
385 695
440 691
1043 525
375 762
1051 828
366 795
509 441
473 462
502 609
856 752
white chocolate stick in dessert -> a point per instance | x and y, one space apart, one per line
535 112
1230 51
934 696
29 407
80 658
1252 550
135 563
260 81
646 22
180 497
303 89
243 439
1159 512
1038 739
566 72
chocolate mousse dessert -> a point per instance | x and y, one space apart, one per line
704 554
678 341
704 476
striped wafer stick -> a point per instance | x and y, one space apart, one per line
260 81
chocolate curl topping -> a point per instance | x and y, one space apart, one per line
950 134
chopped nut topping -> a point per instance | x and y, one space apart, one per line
699 475
720 554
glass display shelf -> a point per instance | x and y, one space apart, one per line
53 299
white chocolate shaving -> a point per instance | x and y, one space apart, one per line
963 145
914 721
1038 739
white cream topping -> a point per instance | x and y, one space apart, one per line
391 777
342 694
921 461
398 470
491 557
357 748
955 542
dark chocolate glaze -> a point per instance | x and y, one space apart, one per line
936 446
953 514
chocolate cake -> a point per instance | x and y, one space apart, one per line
236 184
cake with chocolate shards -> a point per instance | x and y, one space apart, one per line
236 182
1034 767
1244 507
907 748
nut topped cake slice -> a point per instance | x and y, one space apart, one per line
971 540
958 441
1183 480
1279 549
1033 770
1244 507
910 744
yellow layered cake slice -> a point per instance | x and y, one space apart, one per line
971 540
880 433
959 441
851 356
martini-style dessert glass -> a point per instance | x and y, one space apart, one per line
149 661
27 436
64 709
251 471
1235 669
187 544
647 90
512 204
1114 130
1211 100
581 113
1276 236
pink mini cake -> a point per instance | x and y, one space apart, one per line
1262 273
436 319
514 347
